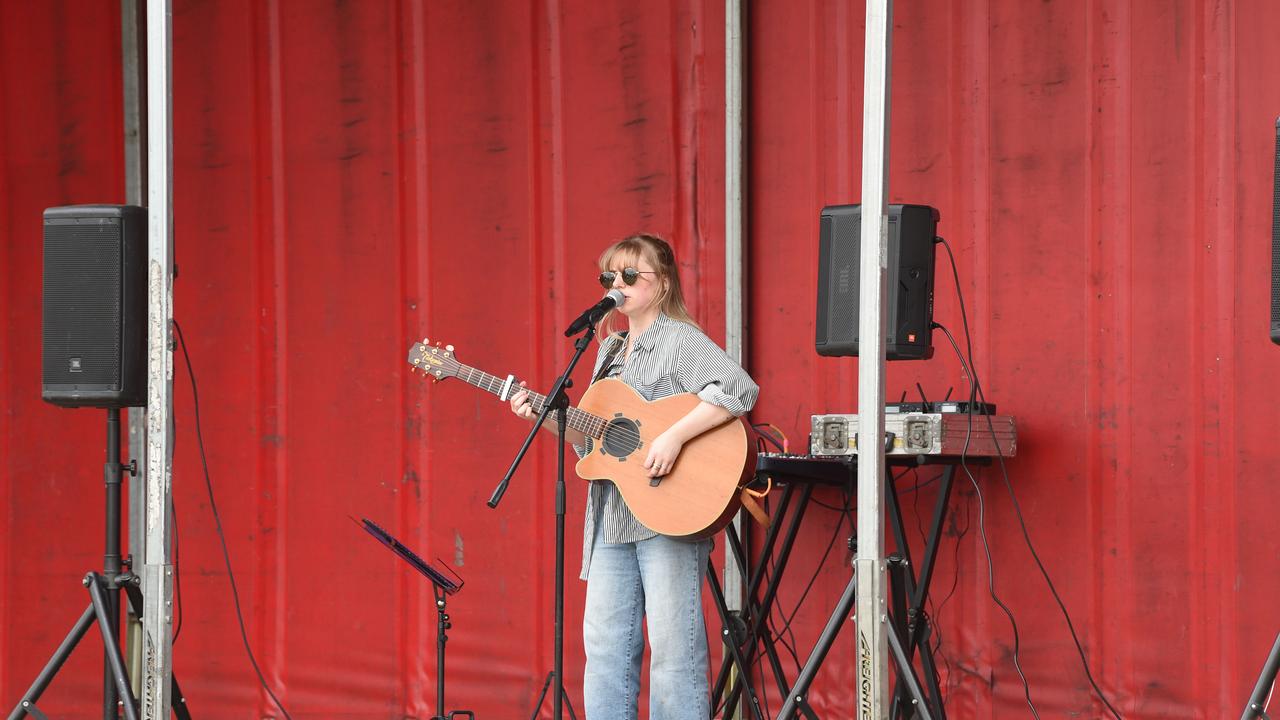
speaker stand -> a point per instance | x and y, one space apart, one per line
1257 705
104 607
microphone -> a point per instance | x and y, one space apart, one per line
592 314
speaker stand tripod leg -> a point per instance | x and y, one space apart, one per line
97 610
114 658
27 703
1256 707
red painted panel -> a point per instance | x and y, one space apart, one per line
60 124
352 176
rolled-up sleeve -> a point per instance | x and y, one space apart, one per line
703 368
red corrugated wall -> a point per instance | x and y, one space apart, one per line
351 176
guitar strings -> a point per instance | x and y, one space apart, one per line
608 429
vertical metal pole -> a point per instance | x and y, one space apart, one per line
734 230
157 572
111 566
134 66
735 269
872 650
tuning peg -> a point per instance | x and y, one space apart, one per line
426 341
448 348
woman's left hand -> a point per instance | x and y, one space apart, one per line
663 452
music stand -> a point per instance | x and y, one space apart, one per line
442 586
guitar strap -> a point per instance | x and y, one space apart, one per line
749 498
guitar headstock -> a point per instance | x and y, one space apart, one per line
437 360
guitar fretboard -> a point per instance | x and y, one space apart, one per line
580 420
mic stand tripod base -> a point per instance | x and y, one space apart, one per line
543 695
558 402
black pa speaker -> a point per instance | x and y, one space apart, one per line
909 281
95 306
1275 247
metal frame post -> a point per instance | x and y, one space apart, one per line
869 568
157 571
133 64
735 268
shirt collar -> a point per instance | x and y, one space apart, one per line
649 337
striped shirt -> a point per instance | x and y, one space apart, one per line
668 358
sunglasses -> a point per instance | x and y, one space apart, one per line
629 276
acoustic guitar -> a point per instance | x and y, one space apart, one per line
695 500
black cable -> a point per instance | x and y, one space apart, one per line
177 576
226 556
766 436
982 530
818 571
929 617
828 506
177 565
976 391
920 484
955 583
776 607
775 635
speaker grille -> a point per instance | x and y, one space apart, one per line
83 299
845 275
908 281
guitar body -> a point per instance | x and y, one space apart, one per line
695 500
700 494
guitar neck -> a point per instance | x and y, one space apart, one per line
580 420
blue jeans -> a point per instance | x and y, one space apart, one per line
661 579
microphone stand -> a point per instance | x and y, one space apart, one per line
558 401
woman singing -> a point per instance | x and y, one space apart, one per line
633 573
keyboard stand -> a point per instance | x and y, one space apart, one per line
743 637
746 633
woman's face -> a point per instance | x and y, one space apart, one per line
641 296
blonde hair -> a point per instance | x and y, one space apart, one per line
658 254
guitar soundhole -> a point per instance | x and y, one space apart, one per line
621 437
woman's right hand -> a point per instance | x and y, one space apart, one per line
520 404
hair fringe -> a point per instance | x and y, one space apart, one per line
658 253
